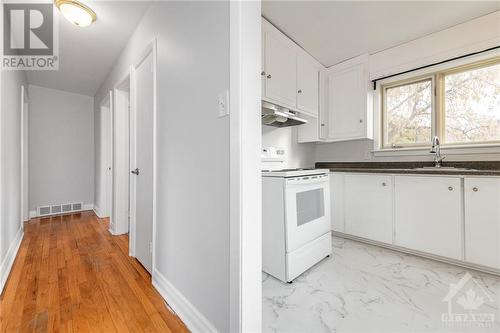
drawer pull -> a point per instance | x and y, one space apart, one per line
475 189
450 188
384 184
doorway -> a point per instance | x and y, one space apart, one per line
104 159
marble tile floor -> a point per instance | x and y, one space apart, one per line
365 288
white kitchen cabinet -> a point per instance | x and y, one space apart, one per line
348 108
307 85
280 70
428 214
482 221
368 206
337 201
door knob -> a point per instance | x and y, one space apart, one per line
263 73
300 91
269 76
135 172
450 188
475 189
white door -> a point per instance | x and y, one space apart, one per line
368 206
106 162
280 70
307 209
307 86
143 158
482 221
428 214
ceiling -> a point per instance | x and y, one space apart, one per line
87 55
334 31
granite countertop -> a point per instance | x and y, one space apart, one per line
469 168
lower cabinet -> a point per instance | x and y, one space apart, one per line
482 221
428 214
455 217
337 201
368 206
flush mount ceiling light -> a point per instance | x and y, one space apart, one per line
76 12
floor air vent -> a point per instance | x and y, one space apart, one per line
60 209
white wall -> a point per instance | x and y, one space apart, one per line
476 35
10 168
192 247
298 154
61 147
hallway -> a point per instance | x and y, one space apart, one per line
72 275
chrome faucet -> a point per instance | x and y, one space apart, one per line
436 150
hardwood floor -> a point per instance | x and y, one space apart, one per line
72 275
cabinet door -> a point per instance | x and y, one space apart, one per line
428 214
368 206
337 201
347 103
307 86
281 70
482 221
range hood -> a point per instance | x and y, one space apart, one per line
277 116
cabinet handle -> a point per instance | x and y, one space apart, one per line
384 184
269 76
300 91
450 188
262 73
322 125
361 121
475 189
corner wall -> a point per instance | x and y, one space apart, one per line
10 169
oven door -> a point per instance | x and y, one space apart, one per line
307 209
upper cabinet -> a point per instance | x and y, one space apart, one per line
290 76
307 85
348 111
280 63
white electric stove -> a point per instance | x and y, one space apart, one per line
295 219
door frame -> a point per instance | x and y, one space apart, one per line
24 156
151 48
245 266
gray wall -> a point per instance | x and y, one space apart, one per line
61 162
192 248
10 163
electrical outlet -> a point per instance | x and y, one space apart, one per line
223 101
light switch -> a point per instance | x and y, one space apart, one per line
223 101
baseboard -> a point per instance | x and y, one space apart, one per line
188 313
97 212
8 262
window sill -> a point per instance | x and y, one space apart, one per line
445 150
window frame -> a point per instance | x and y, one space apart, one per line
400 83
437 77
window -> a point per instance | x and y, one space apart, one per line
460 105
